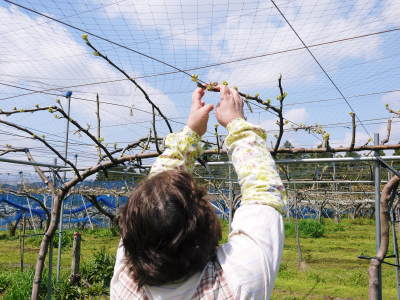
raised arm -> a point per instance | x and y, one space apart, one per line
182 148
251 257
259 180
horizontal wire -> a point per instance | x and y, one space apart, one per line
83 99
66 17
206 66
215 64
99 37
336 99
319 64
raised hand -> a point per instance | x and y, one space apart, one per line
199 113
230 106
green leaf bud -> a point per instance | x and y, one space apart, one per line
195 78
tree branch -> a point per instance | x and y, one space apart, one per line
10 150
146 145
53 109
98 53
388 131
35 137
98 122
217 138
281 124
77 125
388 194
155 131
353 130
93 199
397 113
212 87
39 171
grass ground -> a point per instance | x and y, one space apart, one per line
333 269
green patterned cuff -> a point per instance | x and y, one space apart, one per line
189 132
237 127
236 124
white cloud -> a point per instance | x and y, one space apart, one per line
30 52
296 115
201 33
52 52
263 34
362 137
390 13
219 32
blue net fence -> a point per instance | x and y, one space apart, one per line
79 211
77 208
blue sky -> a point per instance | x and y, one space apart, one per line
37 53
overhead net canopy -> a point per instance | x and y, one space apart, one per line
335 57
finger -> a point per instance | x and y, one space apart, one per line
225 92
241 106
240 102
202 103
237 98
196 98
207 108
234 93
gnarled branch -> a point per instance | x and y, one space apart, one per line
388 194
35 137
353 130
98 53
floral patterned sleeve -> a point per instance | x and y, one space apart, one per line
181 150
259 180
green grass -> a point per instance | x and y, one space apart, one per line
333 269
92 241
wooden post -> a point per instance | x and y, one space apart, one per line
20 253
76 258
377 181
98 123
50 274
22 245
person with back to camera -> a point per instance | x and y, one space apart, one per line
170 232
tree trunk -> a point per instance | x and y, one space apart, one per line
388 194
337 216
55 216
319 213
13 228
76 259
357 211
301 264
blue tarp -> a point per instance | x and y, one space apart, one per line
21 204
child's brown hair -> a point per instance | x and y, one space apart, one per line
169 229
